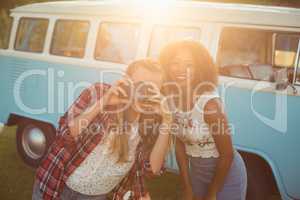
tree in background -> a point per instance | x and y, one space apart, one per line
8 4
5 6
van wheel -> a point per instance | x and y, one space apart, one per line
33 139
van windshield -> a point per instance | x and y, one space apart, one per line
114 47
257 54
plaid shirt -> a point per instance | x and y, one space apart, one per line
66 153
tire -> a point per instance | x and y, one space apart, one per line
259 184
33 140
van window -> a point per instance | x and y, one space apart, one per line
114 47
161 35
286 47
6 23
31 34
69 38
257 54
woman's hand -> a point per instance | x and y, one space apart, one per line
114 96
158 104
117 94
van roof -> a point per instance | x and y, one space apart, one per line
208 11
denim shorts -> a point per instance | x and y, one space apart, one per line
203 170
67 194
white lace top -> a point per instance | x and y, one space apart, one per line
194 131
99 173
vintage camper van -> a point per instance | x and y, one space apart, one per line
51 51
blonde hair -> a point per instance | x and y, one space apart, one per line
119 143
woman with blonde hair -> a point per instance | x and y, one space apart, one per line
217 171
108 140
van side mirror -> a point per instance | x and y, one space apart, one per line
284 79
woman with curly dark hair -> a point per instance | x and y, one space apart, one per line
217 171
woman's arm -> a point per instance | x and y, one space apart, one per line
183 164
91 104
160 150
66 132
218 124
161 146
80 122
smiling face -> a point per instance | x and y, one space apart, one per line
182 67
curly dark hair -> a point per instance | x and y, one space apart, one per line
206 70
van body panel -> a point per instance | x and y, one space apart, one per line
264 118
252 132
44 90
253 114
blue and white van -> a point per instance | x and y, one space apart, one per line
51 51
